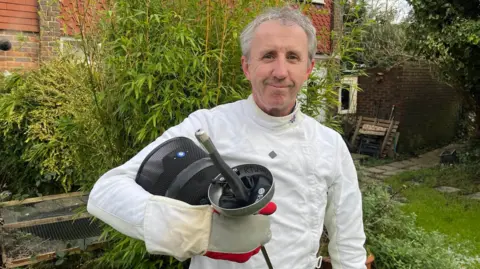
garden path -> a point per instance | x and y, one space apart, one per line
427 160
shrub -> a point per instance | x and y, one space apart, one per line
39 115
396 241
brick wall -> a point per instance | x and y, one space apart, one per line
24 52
19 24
428 110
35 28
20 15
49 28
72 13
43 23
380 91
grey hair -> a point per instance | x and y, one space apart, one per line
285 14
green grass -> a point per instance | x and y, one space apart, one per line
451 214
371 161
463 176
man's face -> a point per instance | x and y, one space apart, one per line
278 66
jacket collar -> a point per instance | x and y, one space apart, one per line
270 122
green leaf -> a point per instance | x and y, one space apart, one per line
59 262
60 254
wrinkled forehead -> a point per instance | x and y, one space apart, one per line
280 24
280 34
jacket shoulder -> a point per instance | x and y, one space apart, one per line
221 109
319 131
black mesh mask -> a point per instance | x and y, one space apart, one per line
178 169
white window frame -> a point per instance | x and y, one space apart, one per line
353 83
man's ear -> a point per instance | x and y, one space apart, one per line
310 67
245 67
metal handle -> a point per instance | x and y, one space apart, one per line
267 259
235 183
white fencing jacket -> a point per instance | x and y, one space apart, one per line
315 185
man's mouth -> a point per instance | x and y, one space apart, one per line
279 86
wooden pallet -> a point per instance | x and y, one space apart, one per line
26 234
387 129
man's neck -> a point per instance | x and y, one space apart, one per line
274 112
293 108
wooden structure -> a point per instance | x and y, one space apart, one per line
384 131
38 229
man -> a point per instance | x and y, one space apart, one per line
316 181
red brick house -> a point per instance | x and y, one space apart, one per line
34 26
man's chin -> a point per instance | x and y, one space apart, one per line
277 103
278 108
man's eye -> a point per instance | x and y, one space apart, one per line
292 57
268 56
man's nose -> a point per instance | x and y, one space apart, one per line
280 70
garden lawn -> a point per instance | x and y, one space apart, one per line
451 214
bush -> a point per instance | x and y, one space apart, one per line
41 113
397 242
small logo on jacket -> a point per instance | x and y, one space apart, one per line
292 120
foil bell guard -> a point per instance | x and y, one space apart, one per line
179 169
